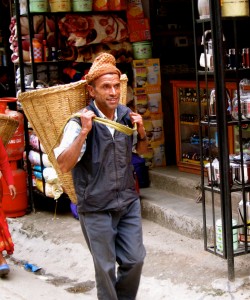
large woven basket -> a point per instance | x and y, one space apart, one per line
48 110
8 126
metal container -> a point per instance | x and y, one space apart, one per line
235 108
242 218
213 172
203 8
242 172
246 105
234 8
212 110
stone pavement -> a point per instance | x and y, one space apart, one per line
176 266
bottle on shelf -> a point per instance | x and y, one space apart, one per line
45 51
53 54
37 50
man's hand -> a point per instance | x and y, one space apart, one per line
87 120
137 118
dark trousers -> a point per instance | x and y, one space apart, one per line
115 237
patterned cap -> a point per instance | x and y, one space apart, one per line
104 63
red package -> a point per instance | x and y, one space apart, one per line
117 4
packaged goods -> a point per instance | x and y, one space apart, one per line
117 5
146 71
153 95
135 9
159 159
139 30
100 5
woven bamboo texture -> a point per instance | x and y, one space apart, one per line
48 110
8 126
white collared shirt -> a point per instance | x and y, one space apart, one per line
71 132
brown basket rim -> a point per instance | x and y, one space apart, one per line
50 90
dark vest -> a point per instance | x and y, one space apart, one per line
103 178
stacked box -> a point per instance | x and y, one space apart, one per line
135 9
146 72
139 30
148 103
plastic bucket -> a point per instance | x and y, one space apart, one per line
60 5
82 5
38 5
142 50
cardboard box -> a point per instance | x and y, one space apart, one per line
154 129
139 30
140 77
141 105
139 36
152 69
146 62
150 95
159 159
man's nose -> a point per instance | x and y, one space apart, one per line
113 90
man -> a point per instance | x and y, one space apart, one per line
108 204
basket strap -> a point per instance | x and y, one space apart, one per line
117 126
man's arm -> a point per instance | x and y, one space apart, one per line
142 141
69 157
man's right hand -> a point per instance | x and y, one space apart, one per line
87 120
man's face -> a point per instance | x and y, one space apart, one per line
106 92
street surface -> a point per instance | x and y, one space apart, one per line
176 267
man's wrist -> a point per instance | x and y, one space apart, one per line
144 138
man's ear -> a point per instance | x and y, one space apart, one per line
91 90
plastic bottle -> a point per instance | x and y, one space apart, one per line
37 50
53 54
45 51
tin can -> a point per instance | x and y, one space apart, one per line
60 5
82 5
38 5
234 8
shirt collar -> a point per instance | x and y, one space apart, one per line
102 115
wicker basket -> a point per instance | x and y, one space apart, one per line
8 126
48 110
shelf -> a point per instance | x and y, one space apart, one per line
59 13
50 62
238 252
189 123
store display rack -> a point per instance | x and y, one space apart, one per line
228 235
54 61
